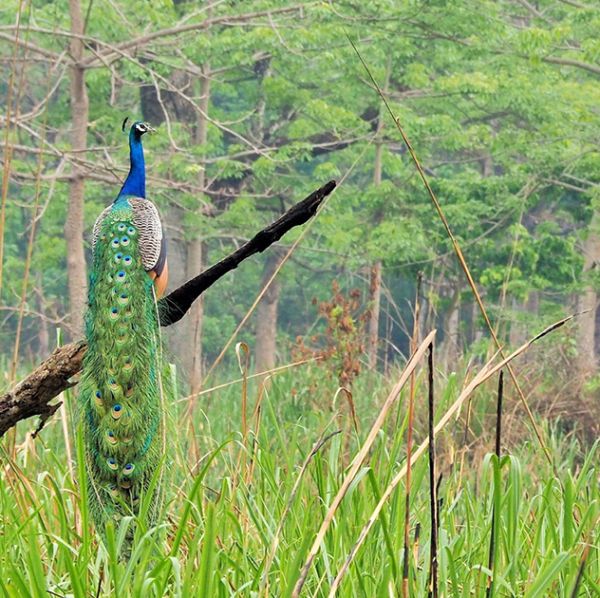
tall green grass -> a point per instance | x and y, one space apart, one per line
242 519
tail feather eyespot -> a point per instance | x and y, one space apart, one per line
117 411
128 469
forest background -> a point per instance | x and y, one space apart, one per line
259 102
296 482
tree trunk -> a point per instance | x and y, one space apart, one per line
266 316
74 227
43 347
374 309
451 349
588 302
517 333
194 257
375 274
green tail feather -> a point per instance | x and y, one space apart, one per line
123 392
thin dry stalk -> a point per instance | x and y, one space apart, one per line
244 364
486 372
492 552
461 259
409 442
464 448
266 373
349 398
359 459
433 577
256 431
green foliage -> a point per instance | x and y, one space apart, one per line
508 136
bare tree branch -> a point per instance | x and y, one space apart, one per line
116 50
578 64
32 396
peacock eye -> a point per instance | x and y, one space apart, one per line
125 241
131 231
127 260
115 242
121 227
112 463
128 469
121 275
117 411
118 256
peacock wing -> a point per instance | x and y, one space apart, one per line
152 243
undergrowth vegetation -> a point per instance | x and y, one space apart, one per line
243 516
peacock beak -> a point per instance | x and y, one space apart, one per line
150 129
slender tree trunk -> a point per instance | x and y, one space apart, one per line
375 274
74 227
195 257
266 316
375 307
588 302
43 347
517 334
451 331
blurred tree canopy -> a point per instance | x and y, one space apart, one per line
499 98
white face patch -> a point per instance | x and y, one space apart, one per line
142 128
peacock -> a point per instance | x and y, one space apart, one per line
123 393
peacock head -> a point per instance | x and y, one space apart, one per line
138 128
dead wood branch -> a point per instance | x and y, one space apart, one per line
32 396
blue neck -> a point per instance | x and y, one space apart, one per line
135 183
